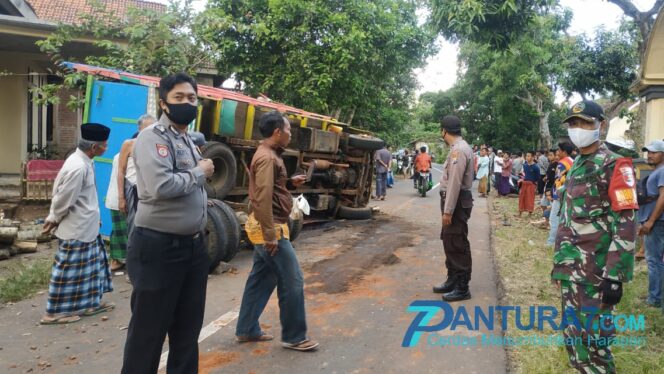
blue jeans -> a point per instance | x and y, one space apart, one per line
654 251
554 220
381 184
283 272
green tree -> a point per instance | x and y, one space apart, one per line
145 42
604 65
350 59
493 22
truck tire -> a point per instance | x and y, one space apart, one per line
355 213
367 143
295 228
216 238
225 169
231 229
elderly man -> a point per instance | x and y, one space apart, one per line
275 261
121 198
80 274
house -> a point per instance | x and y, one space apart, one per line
25 125
651 81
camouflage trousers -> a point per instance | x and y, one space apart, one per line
587 343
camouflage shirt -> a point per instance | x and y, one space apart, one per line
595 240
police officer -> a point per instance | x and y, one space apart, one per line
594 247
456 203
166 257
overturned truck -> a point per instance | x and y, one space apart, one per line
337 158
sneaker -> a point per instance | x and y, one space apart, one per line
260 338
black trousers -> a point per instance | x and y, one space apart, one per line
169 275
458 260
540 185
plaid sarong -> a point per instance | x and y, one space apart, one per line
119 234
79 277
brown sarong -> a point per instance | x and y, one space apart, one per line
527 197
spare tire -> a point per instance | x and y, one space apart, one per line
367 143
216 237
231 229
355 213
295 228
225 169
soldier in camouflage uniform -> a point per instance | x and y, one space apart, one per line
594 250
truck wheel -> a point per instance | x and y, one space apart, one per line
216 239
231 229
295 228
367 143
225 169
355 213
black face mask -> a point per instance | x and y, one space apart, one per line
181 114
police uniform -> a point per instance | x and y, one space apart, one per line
456 199
594 248
166 257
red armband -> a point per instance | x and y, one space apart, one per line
622 189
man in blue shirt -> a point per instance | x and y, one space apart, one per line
651 218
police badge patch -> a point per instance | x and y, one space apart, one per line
162 150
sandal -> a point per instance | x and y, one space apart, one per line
105 307
305 345
116 265
59 320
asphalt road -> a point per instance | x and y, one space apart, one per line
360 278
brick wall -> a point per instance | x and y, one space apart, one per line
66 124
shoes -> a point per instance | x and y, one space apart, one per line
461 290
260 338
458 294
446 287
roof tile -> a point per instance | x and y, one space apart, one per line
69 11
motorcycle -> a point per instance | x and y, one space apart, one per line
423 182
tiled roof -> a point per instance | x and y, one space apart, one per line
68 11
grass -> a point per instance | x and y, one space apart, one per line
25 280
524 267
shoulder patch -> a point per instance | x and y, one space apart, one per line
622 188
162 150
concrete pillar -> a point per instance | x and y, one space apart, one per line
654 96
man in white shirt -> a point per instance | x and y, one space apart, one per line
80 274
497 168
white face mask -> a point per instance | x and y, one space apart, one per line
583 138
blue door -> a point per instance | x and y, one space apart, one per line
118 106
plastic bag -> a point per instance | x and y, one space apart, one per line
300 205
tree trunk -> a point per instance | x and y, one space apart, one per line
545 134
351 116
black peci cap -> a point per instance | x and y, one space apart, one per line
95 132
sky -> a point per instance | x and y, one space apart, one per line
440 72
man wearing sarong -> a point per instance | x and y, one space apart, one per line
80 273
529 185
123 185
